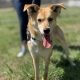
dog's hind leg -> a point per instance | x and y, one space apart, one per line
66 52
61 39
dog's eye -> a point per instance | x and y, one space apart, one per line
50 19
39 20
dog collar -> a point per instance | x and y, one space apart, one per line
29 36
33 38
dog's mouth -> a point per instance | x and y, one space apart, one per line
46 41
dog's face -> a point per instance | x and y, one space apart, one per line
43 20
45 17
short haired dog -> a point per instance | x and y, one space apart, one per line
44 31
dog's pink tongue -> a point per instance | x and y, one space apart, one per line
46 41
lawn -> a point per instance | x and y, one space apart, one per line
13 68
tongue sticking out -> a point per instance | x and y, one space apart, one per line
46 41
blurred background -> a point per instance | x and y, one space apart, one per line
13 68
76 3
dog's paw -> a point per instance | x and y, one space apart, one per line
42 78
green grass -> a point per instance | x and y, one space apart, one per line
13 68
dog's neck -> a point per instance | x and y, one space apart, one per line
33 28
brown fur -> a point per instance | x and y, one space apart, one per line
41 18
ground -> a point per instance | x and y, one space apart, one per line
13 68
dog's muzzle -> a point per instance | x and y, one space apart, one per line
47 31
47 42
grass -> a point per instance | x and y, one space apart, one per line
13 68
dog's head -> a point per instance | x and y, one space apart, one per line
44 17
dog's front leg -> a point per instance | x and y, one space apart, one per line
60 37
47 61
36 67
45 76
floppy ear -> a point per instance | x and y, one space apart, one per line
57 7
31 8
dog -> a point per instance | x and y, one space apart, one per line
44 31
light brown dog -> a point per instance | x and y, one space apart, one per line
44 31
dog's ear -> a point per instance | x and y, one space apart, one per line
31 8
57 7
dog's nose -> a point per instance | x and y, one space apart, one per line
47 30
